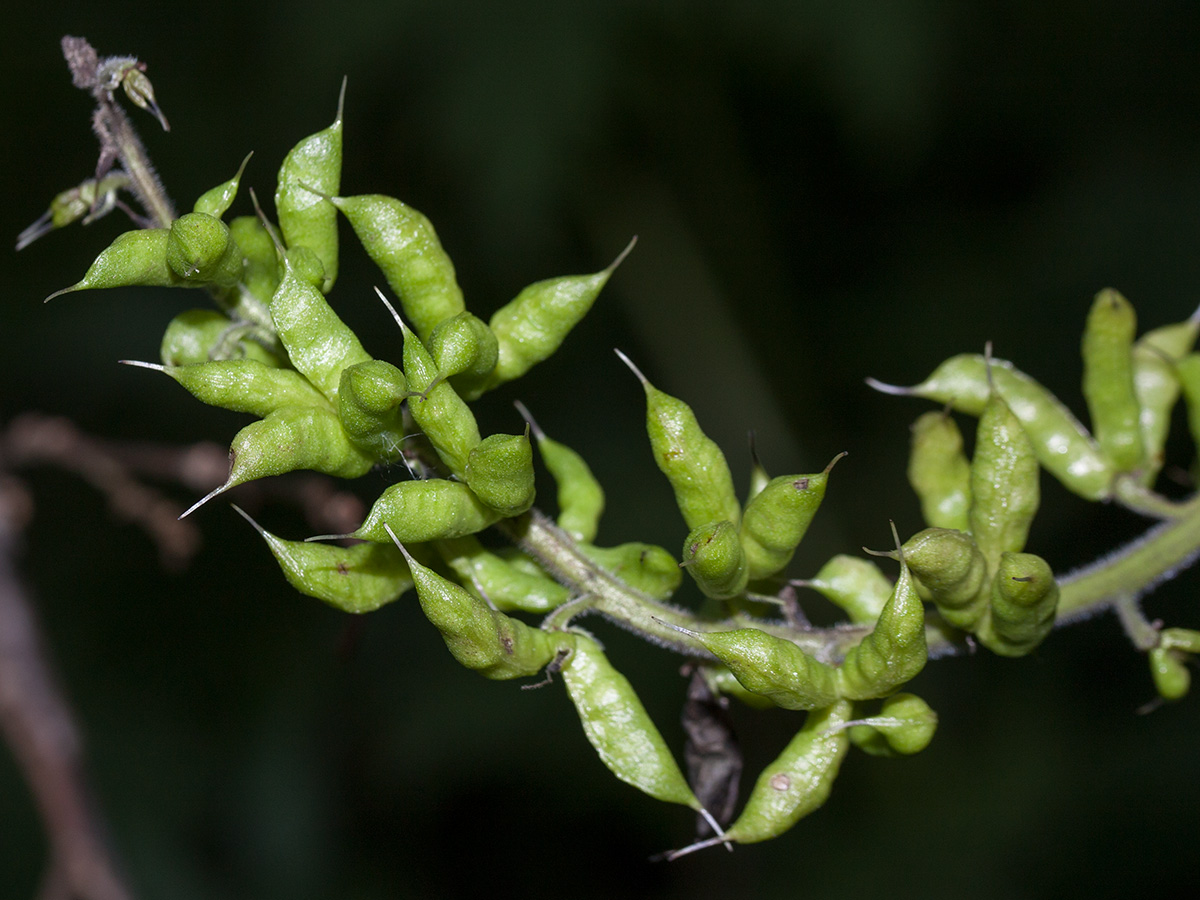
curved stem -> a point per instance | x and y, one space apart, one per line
1120 577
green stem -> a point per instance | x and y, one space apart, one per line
1115 581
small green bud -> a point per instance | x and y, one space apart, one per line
500 472
202 335
369 404
905 725
1172 679
1024 601
201 251
713 556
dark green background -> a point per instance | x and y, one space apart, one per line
821 192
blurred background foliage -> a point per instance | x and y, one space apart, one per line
822 191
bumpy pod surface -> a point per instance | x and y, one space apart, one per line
531 327
1004 482
201 251
201 335
135 258
437 409
291 438
773 667
402 242
1024 601
856 585
777 519
246 385
799 780
939 471
905 725
953 572
1156 384
1108 380
713 556
369 398
309 175
500 472
619 728
356 579
420 511
465 350
647 568
506 586
318 342
894 652
480 638
692 462
1062 445
580 496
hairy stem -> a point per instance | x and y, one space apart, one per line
1118 578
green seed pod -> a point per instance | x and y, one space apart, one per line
420 511
620 729
500 472
1172 679
903 727
504 585
404 245
1157 386
201 251
1062 445
647 568
437 409
243 385
1024 601
1108 385
133 259
939 472
580 497
311 173
464 350
693 464
201 335
776 520
953 571
260 263
856 585
799 781
713 556
773 667
291 438
369 404
355 579
318 342
534 324
482 639
894 652
1004 483
216 201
